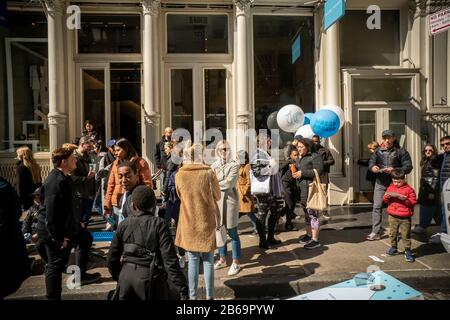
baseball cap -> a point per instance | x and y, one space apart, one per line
111 143
388 133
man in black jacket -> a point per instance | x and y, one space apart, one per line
142 257
15 266
62 224
161 156
385 159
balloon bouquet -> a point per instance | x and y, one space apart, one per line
290 119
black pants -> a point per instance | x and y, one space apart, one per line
57 261
268 215
42 250
83 242
290 199
134 284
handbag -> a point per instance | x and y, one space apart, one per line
221 231
317 196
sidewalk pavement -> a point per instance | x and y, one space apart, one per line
288 269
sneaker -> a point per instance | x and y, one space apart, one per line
220 264
305 239
326 216
435 239
373 236
234 269
409 256
392 251
181 262
312 244
418 229
88 278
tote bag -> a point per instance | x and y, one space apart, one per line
317 196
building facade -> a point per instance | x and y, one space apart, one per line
135 67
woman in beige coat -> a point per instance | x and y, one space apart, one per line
198 190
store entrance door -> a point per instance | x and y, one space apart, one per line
198 100
370 122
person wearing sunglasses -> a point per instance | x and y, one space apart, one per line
444 159
429 191
382 162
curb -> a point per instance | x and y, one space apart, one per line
273 287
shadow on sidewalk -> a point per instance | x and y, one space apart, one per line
278 281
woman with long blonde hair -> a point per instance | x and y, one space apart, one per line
28 176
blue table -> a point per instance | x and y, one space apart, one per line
350 290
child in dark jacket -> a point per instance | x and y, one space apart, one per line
400 198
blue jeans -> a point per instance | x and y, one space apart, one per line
193 271
235 245
253 218
427 213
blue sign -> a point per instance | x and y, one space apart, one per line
3 13
333 11
296 49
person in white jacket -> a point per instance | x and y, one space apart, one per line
227 172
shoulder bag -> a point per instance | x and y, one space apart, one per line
317 196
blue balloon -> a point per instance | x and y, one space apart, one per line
325 123
308 117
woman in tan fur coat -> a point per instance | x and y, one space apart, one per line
198 190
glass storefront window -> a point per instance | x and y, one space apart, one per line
367 132
109 34
390 90
441 69
197 33
24 74
126 102
94 98
397 123
278 80
216 100
361 46
182 103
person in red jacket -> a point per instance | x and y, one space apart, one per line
400 198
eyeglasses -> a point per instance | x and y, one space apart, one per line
445 144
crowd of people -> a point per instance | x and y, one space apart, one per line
152 243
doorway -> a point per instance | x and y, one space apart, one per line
110 96
370 122
198 100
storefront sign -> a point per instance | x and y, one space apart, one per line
333 11
439 21
296 49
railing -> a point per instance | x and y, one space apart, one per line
436 126
8 169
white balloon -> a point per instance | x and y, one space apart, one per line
305 131
290 118
338 111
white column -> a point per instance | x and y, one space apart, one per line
332 84
56 88
241 79
151 9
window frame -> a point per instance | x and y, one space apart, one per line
433 62
403 35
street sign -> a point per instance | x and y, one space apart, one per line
439 21
296 49
333 11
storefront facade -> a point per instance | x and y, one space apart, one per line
136 67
